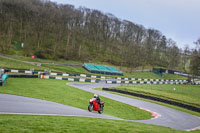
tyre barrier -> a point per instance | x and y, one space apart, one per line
186 106
1 82
71 79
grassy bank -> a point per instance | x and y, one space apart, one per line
68 69
6 63
58 91
60 61
52 124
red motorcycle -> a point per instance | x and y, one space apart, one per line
93 105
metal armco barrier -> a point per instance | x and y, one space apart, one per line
142 82
147 82
186 106
36 72
22 76
130 79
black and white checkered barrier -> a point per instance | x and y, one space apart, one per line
146 82
62 74
35 72
52 73
92 76
152 80
19 71
71 79
131 79
117 80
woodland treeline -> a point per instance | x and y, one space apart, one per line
53 31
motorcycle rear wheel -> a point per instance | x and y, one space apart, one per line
100 111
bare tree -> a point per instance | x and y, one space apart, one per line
173 53
52 30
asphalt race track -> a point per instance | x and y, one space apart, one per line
166 117
11 104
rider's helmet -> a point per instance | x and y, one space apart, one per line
95 95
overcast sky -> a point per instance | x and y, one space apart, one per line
177 19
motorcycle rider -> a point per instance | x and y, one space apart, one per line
97 99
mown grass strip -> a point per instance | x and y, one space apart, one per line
57 124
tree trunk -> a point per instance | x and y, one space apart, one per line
67 45
79 51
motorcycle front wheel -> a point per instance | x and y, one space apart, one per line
90 107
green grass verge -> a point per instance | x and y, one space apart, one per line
173 76
69 69
151 75
58 124
58 91
188 94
